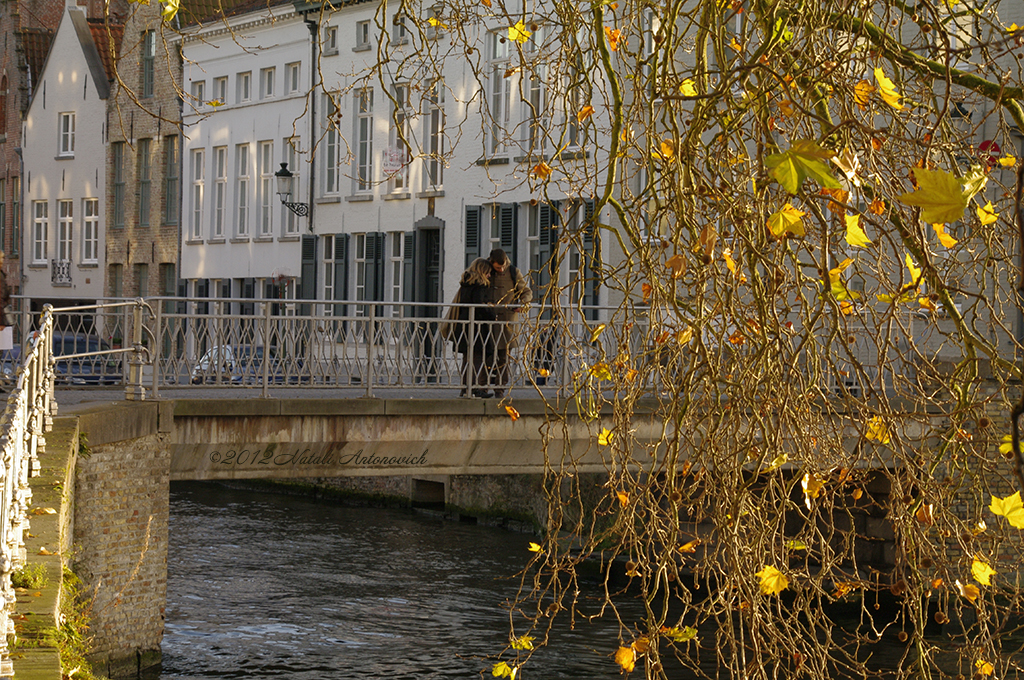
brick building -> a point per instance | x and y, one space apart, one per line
143 160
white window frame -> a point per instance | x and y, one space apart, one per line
293 77
330 44
535 102
220 190
243 87
328 273
243 168
40 231
434 175
332 146
65 228
197 172
268 76
66 134
399 128
363 175
220 89
90 230
359 269
498 96
396 268
265 188
363 35
198 92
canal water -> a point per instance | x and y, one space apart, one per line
267 586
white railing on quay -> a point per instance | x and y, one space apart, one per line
23 426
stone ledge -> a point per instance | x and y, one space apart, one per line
107 423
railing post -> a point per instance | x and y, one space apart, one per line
158 317
134 391
470 358
370 344
266 349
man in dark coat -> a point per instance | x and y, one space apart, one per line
510 293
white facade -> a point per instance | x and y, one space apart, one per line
391 221
64 152
244 114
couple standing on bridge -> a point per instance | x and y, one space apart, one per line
498 291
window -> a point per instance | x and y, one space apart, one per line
369 259
197 174
292 77
435 22
359 258
172 175
142 279
497 100
119 184
362 35
3 213
332 183
291 156
40 229
398 152
90 230
116 280
220 189
243 86
146 64
574 103
15 216
242 189
364 140
220 89
3 105
265 190
267 77
330 40
65 222
534 112
198 93
399 34
66 134
144 172
435 138
396 261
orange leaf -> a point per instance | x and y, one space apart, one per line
512 413
689 547
584 113
677 263
877 206
541 171
646 289
613 35
623 498
626 658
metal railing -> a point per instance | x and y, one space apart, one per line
25 420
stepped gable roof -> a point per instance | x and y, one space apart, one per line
103 34
204 12
35 45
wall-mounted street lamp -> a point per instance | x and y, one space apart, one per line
285 180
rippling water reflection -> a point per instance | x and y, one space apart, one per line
279 586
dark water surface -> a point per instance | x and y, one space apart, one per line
263 586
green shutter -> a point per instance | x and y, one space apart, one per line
591 259
409 272
307 284
508 224
474 216
340 272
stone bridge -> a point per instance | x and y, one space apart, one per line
108 467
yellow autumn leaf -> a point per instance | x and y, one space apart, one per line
503 670
523 642
1011 508
987 214
437 23
684 336
601 371
928 304
838 286
584 113
534 547
786 221
666 149
677 263
541 171
170 10
613 35
604 437
773 581
945 239
215 103
512 413
735 45
796 544
939 195
982 572
543 372
626 658
687 88
812 485
1007 445
677 634
888 90
915 271
777 462
518 33
689 546
855 235
596 333
1007 161
877 430
729 262
862 92
984 667
968 590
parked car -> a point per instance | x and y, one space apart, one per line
103 369
233 365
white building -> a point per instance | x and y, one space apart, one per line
64 155
394 216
